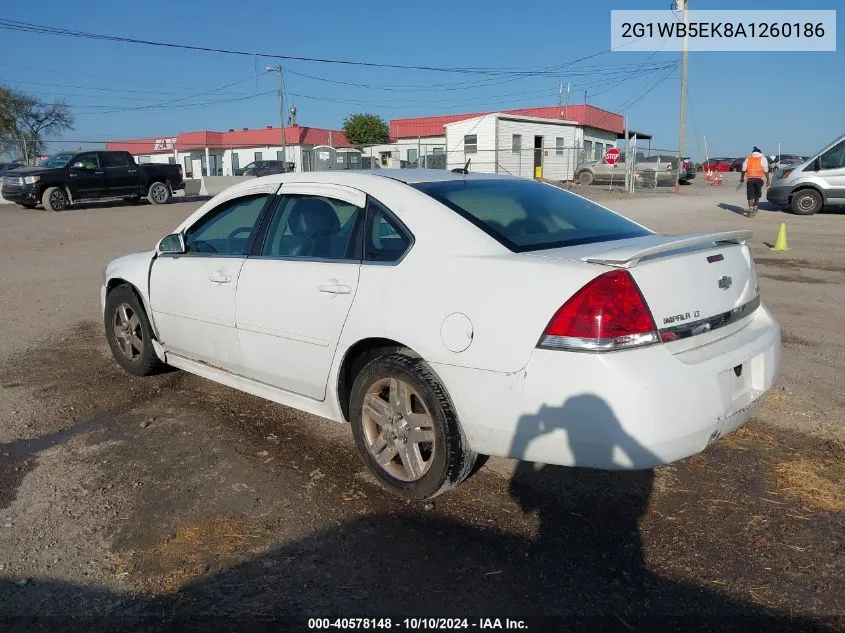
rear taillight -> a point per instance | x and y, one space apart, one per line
607 314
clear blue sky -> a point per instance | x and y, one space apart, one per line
735 99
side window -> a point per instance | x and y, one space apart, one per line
384 240
834 158
114 159
88 160
226 230
312 227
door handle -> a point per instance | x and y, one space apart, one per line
99 173
220 278
335 289
132 171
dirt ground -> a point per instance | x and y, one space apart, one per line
172 503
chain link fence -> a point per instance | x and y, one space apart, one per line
652 169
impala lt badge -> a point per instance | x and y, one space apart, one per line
725 282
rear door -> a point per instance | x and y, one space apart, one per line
121 177
193 295
295 290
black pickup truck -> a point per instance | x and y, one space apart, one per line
67 178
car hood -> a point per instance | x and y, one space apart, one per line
31 171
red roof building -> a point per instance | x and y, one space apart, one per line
233 139
582 114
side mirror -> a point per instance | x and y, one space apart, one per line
173 244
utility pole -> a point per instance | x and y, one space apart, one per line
683 5
566 107
279 69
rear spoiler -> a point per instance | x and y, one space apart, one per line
629 256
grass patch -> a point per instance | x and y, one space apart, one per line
818 482
190 552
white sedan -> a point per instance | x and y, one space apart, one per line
450 316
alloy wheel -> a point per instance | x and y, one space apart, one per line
159 193
58 200
398 429
127 332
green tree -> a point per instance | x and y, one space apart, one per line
366 129
24 120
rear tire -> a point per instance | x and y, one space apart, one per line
806 202
585 177
159 193
129 334
54 199
401 412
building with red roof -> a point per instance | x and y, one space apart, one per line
208 152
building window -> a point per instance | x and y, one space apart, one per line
279 156
559 146
171 160
189 167
412 156
437 150
516 144
588 150
258 156
236 164
599 151
470 144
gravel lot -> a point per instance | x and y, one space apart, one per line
172 498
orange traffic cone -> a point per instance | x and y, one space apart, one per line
717 179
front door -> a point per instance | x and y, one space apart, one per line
121 176
86 176
832 170
193 295
295 292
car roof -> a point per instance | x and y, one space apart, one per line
407 176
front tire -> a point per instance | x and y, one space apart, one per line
585 177
806 202
159 193
129 334
54 199
406 429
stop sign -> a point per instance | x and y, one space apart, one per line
611 156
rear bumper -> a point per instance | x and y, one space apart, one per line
626 410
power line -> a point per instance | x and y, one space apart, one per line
28 27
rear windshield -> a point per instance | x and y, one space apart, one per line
525 215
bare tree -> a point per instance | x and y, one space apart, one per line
24 120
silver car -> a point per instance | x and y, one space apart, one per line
655 169
808 186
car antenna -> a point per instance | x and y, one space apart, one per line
464 169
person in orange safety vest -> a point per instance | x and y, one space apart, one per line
755 168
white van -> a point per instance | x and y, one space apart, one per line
812 184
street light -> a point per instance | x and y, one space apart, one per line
278 69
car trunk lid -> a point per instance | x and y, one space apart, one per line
699 287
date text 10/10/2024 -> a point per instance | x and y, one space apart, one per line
416 624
